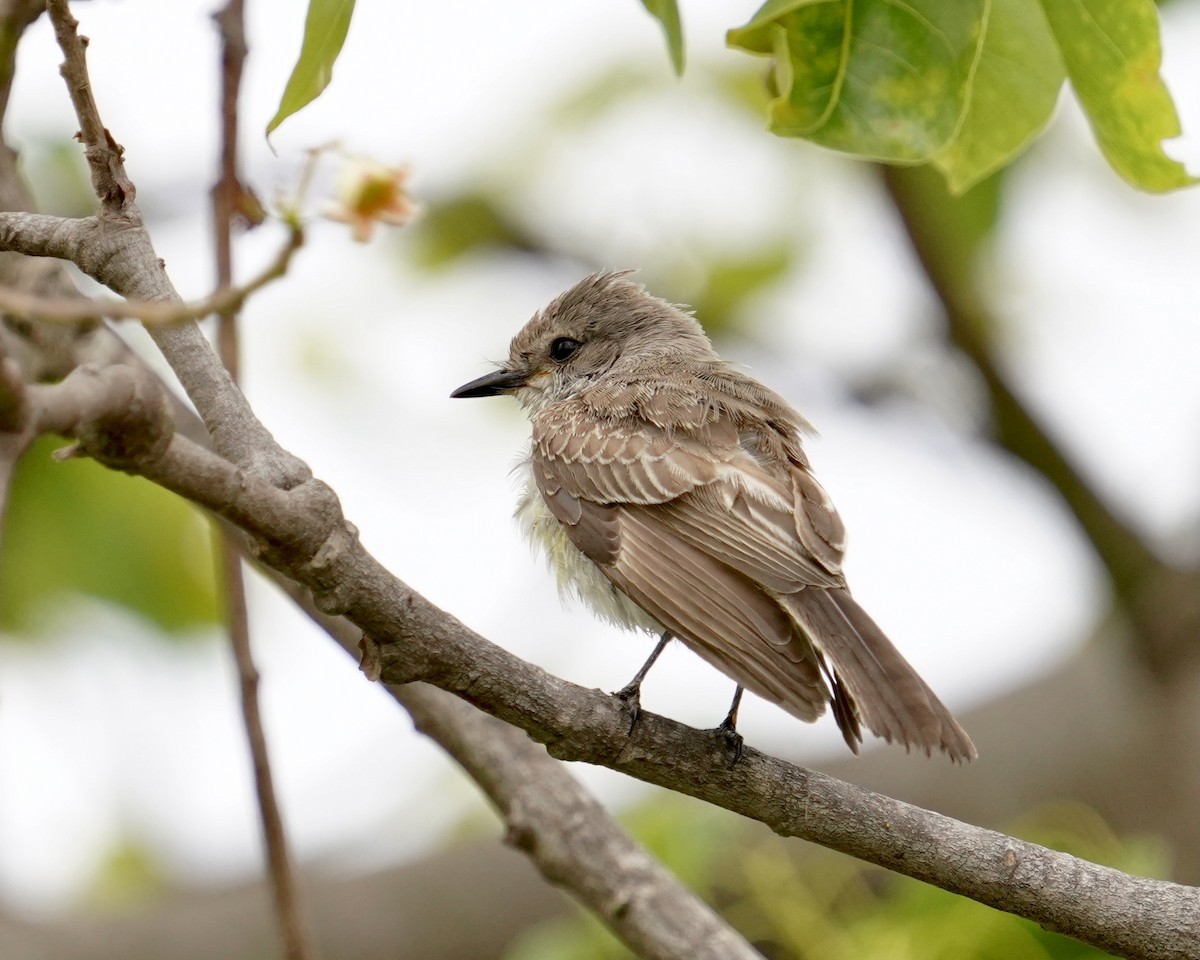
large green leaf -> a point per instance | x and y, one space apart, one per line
1012 93
967 84
325 29
76 527
666 12
1112 53
886 79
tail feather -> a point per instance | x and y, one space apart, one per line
878 685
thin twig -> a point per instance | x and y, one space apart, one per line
289 913
225 300
104 155
124 260
230 21
293 928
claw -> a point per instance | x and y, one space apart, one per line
631 693
733 742
728 728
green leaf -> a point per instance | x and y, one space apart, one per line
1012 96
462 226
76 527
666 12
886 79
325 29
728 282
1112 53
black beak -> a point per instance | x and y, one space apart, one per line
492 384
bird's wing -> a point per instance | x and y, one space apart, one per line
740 563
632 497
779 531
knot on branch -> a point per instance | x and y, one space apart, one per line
519 833
124 419
332 593
106 161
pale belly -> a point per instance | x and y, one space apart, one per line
577 575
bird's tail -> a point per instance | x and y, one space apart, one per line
871 681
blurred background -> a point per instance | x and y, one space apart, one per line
1020 478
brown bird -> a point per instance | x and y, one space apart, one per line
670 492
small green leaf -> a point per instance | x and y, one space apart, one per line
1013 93
886 79
325 28
1112 53
666 12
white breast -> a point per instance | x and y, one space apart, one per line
577 575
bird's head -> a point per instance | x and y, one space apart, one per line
602 322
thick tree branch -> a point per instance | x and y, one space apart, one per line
302 533
296 525
15 16
569 837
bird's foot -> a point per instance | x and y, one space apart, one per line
728 728
631 695
732 740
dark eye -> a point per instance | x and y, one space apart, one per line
562 349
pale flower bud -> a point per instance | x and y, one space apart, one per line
368 193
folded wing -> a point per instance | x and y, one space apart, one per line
739 559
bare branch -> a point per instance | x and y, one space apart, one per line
37 235
289 914
303 534
104 155
125 261
570 837
228 193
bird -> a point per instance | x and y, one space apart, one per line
671 492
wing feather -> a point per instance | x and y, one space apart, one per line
737 627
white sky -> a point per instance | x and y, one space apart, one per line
967 561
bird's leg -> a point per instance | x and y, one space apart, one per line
728 727
631 693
